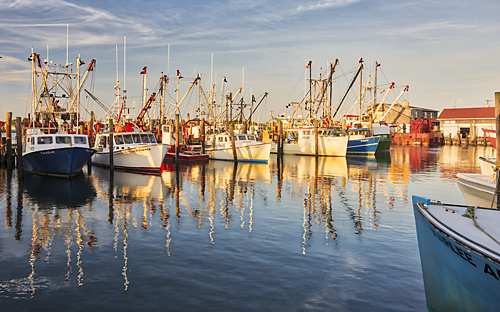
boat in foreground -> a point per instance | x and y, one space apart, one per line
58 154
132 151
460 255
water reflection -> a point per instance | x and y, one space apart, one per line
49 192
321 200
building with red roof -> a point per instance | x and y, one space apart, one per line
468 121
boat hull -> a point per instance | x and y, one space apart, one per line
385 142
146 158
187 157
249 153
478 189
363 146
459 274
63 162
327 146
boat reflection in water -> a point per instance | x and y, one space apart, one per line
53 192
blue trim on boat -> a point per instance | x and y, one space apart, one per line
65 162
363 146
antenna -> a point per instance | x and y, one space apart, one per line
124 64
67 43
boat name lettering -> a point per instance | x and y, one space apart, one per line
142 150
47 152
489 270
463 254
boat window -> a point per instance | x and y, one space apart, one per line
220 139
63 140
137 138
119 140
251 137
152 138
242 137
102 141
145 138
45 140
307 132
127 139
80 140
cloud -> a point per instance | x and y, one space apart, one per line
324 4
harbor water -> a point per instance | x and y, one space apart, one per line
333 234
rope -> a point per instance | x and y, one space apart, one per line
471 213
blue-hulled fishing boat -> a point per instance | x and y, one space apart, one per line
54 144
460 255
360 142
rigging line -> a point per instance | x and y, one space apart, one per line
300 80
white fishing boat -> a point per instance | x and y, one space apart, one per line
478 189
460 255
248 149
53 145
301 141
132 151
487 165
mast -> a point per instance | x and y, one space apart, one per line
309 65
124 69
360 87
162 98
375 89
78 89
144 88
200 94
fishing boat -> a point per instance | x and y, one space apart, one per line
248 149
477 189
132 151
301 141
187 153
383 131
460 255
55 144
361 142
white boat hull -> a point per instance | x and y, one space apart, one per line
327 146
138 158
478 189
258 152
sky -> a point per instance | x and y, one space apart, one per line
447 52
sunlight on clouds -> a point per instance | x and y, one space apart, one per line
324 4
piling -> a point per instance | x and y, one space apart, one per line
316 138
233 145
2 150
19 151
8 134
280 139
177 134
110 145
202 135
497 163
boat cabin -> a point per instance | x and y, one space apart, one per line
36 142
224 140
124 140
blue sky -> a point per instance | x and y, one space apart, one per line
446 51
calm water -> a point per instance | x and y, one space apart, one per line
336 235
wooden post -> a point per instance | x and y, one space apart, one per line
8 130
19 152
110 145
2 150
202 135
497 163
280 139
233 145
177 139
316 138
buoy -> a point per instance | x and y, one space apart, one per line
119 129
129 128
